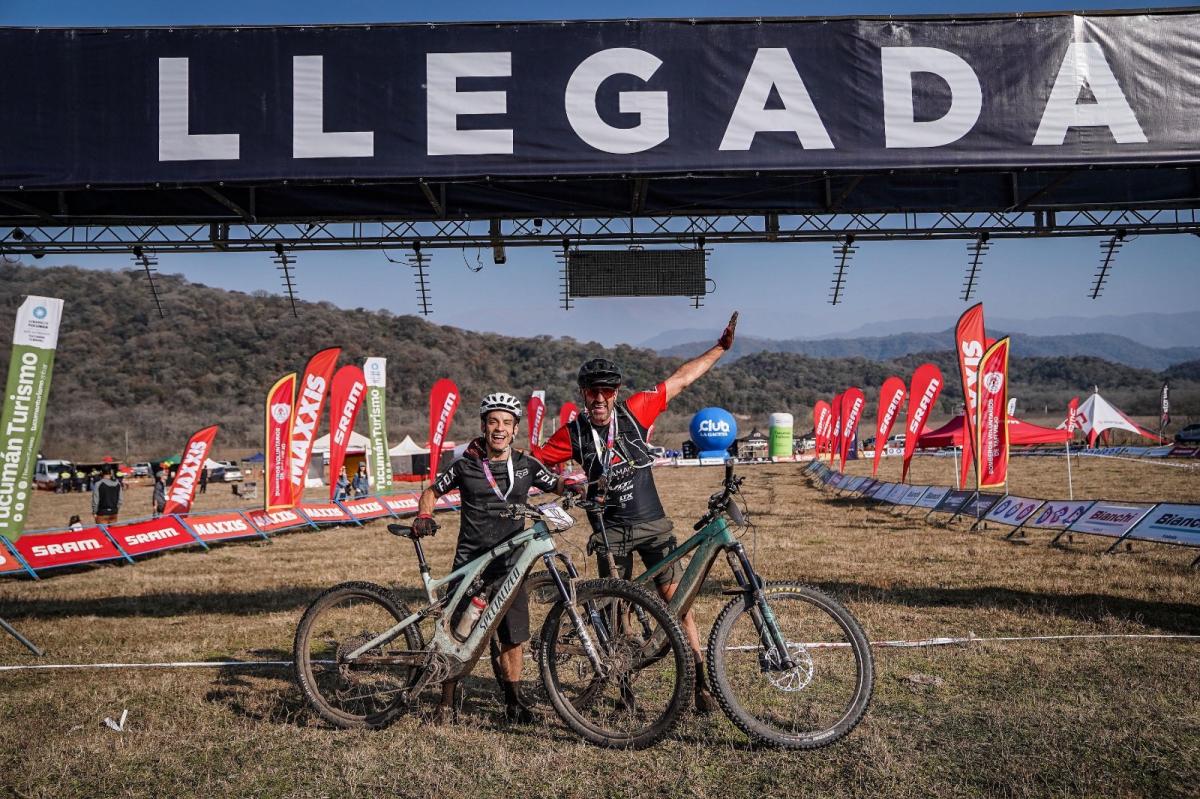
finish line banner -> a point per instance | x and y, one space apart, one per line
35 338
136 106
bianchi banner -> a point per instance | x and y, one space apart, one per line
35 338
1170 524
375 372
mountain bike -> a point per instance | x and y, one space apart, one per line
790 666
361 657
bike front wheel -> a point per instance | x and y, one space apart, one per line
815 700
352 695
638 694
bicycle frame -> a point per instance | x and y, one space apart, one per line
536 542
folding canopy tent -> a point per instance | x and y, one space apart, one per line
1097 415
1019 433
358 450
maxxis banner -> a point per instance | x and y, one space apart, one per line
375 372
346 400
35 338
310 402
991 428
182 490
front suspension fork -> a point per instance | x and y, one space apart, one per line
566 596
760 611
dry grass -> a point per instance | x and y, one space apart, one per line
1098 718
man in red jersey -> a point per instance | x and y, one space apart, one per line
609 441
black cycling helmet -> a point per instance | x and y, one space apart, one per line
599 372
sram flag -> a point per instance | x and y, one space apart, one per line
182 490
443 400
310 402
375 372
821 424
923 393
35 338
969 344
1072 422
991 436
891 398
281 407
536 411
852 407
567 414
346 400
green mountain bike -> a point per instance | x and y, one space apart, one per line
790 665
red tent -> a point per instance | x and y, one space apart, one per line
951 434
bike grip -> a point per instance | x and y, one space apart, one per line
728 471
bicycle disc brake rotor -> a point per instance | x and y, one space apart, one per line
793 679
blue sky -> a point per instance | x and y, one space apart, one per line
781 289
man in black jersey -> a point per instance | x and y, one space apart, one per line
492 471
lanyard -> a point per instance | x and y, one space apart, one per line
606 453
487 472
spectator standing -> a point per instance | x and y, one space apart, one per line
362 482
160 493
64 482
204 480
106 497
343 485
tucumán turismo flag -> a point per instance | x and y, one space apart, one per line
375 372
35 338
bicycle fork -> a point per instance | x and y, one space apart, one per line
751 586
566 596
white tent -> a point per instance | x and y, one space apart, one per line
1097 414
407 447
358 445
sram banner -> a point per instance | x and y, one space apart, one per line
182 490
443 400
466 100
926 386
1109 519
221 526
535 411
1170 524
141 538
852 407
891 399
46 550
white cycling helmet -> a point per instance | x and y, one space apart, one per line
500 401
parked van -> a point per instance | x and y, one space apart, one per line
47 471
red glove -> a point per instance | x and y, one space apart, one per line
725 342
424 525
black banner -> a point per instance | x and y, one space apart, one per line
143 106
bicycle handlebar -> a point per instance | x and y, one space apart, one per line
718 503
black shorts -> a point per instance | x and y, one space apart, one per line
652 541
513 629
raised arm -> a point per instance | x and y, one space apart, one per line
693 370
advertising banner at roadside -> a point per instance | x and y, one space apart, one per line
183 488
912 495
933 497
443 400
535 412
221 526
310 402
151 535
274 521
8 561
366 508
277 464
991 424
852 408
1109 519
45 550
1060 514
891 398
926 385
977 506
346 400
954 501
375 373
970 341
1170 524
35 338
1013 510
325 512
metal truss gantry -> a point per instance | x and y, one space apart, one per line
224 236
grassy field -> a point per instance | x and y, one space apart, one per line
1096 718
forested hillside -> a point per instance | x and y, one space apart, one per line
120 369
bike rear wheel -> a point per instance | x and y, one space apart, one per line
339 621
641 695
816 702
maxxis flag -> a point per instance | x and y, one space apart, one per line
923 394
310 402
969 343
443 401
536 413
346 400
277 450
891 398
375 372
821 421
853 402
35 338
991 428
182 490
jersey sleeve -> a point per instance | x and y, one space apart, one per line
647 405
449 479
557 449
542 477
